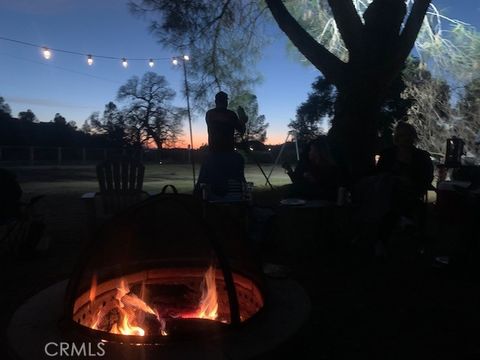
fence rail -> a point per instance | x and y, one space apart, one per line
60 155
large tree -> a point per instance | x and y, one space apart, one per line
149 111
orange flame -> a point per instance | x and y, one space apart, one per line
93 288
130 306
208 306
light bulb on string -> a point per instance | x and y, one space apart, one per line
175 61
89 60
186 57
47 54
151 63
124 62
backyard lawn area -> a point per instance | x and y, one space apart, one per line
81 178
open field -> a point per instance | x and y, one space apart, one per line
81 178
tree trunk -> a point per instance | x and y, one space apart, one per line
353 134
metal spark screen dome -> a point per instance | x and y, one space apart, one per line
169 267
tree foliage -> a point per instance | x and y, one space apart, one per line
256 127
27 116
112 124
431 111
149 112
221 37
147 117
59 120
312 113
4 108
468 120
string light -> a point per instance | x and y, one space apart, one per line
47 54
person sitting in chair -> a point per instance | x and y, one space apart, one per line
223 163
410 173
316 175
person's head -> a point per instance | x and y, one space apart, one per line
319 152
221 100
404 135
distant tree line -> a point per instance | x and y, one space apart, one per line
147 119
144 117
26 130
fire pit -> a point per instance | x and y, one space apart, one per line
160 275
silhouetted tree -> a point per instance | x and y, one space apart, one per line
149 112
311 113
4 107
111 124
320 108
59 120
256 127
27 116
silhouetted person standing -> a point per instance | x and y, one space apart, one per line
223 163
222 124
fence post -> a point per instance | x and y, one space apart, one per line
84 155
32 155
59 155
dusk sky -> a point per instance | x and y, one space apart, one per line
66 84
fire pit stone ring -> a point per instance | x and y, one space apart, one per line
35 331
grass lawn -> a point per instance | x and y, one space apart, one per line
81 178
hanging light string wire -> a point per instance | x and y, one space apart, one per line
79 53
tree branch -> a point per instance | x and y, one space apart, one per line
317 54
348 22
411 29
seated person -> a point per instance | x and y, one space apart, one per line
410 171
316 175
411 166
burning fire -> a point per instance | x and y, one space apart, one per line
208 306
127 312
